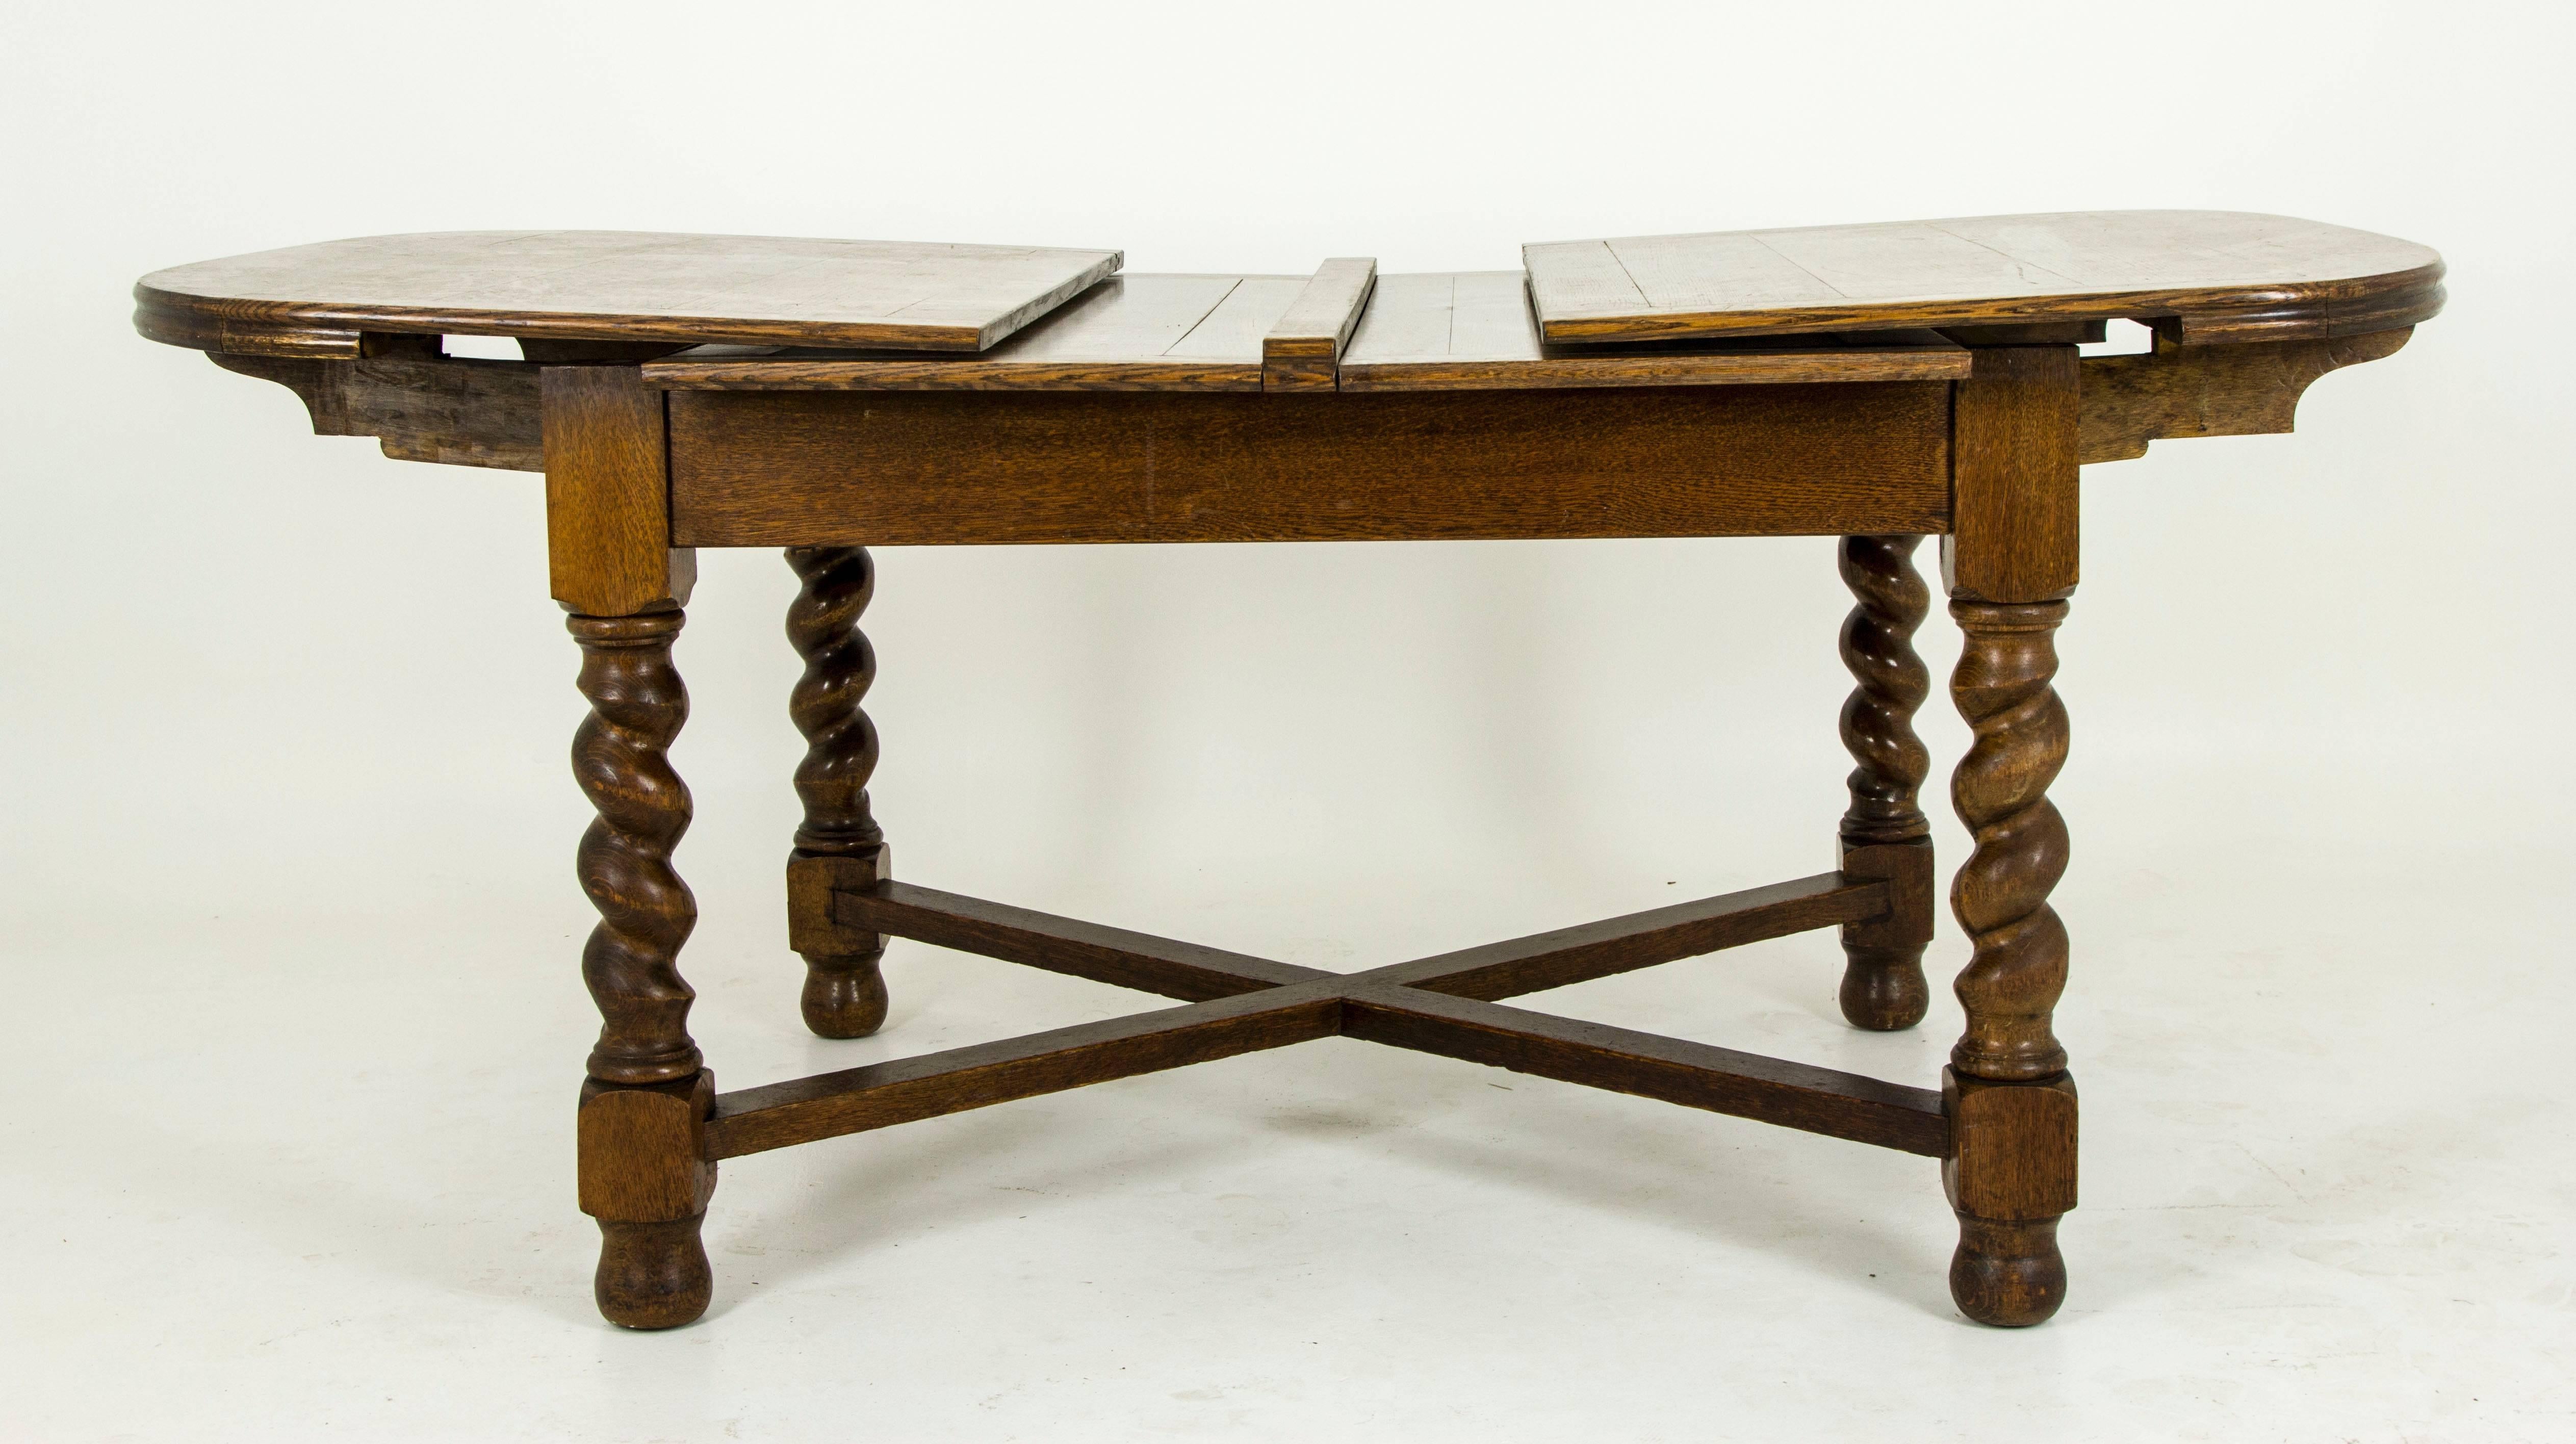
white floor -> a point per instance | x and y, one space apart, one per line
2327 1177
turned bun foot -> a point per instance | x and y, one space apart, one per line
844 997
653 1275
1885 992
2009 1275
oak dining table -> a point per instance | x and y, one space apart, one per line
1879 384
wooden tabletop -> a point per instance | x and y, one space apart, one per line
2216 275
1439 332
1815 304
1128 333
612 286
1473 331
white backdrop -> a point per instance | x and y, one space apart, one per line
291 925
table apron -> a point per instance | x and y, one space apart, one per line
948 468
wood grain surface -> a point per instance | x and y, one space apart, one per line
1124 959
1674 1070
608 516
2014 523
855 900
621 758
879 1095
1565 956
2013 1146
2216 275
2018 743
845 991
455 410
895 394
1438 1004
1473 330
2010 1175
1128 333
1884 833
2185 391
316 300
644 1175
1444 332
896 469
1303 351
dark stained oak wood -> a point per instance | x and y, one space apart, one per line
866 394
859 903
653 1275
2037 333
473 412
2184 391
1128 333
2014 492
1883 987
2009 564
2012 1151
2019 740
1303 349
645 1177
1767 1089
845 991
456 410
1640 940
1817 1100
1889 683
1473 331
2011 1107
2215 276
1696 1075
1465 332
2007 1273
2009 1176
1060 945
760 469
608 514
644 1173
880 1095
643 1147
621 759
317 300
1884 832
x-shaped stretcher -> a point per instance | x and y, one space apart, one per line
1446 1004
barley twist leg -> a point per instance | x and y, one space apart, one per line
644 1105
1884 833
845 992
2012 981
2012 1106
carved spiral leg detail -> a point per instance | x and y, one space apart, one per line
1884 833
1878 721
845 993
643 1109
2010 985
619 757
2011 1104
